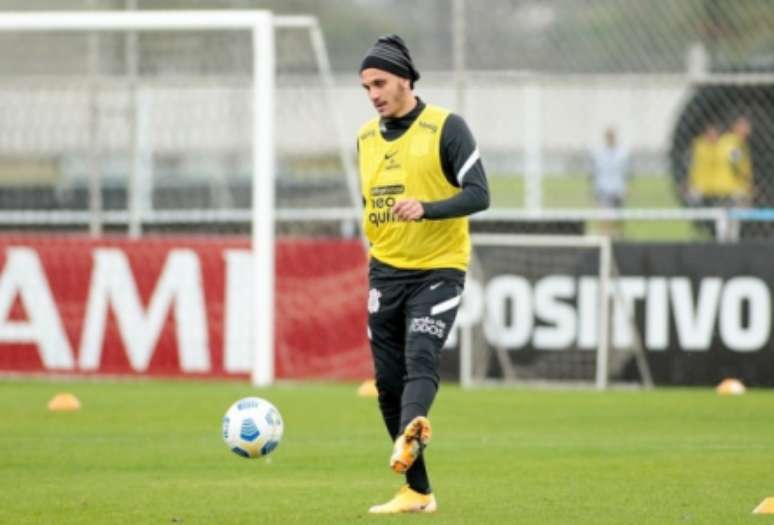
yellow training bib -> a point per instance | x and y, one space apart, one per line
409 168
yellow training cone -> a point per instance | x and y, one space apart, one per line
766 507
730 387
64 402
368 389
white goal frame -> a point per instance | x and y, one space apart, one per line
261 24
603 245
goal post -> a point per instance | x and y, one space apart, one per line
254 114
545 311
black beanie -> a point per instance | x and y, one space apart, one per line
390 53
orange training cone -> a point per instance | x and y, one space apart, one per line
368 389
64 402
765 507
730 387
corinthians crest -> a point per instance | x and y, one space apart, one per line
373 300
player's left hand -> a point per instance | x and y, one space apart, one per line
408 210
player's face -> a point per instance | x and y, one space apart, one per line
742 127
390 94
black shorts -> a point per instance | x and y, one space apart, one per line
410 316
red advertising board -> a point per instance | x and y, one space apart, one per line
178 306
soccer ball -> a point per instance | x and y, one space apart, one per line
252 427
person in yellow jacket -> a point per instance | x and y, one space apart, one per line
705 165
735 152
421 177
721 167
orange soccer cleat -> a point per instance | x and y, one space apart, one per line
406 500
410 444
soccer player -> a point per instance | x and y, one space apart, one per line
421 176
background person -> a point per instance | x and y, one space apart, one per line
610 176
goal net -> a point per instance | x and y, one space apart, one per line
176 133
547 309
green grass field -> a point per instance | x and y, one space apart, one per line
574 192
151 452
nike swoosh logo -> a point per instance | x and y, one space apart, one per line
388 156
436 285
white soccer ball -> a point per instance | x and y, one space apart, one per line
252 427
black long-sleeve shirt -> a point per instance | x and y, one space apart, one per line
460 161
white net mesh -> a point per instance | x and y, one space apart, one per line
534 314
165 117
542 83
154 131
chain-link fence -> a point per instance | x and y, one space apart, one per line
123 122
683 90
